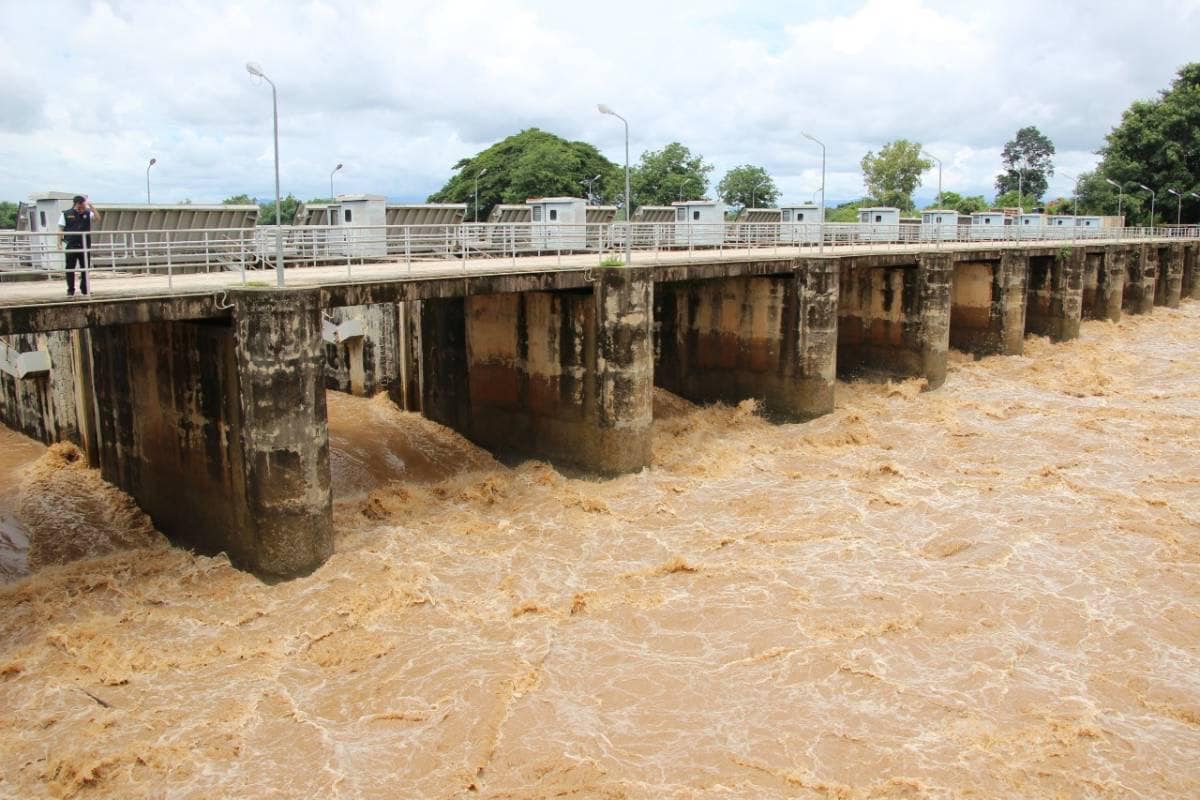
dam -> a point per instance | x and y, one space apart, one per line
201 392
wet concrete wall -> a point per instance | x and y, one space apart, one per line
1054 295
1168 285
894 317
1189 282
772 338
55 406
218 429
566 376
987 307
1141 277
1103 283
368 364
170 429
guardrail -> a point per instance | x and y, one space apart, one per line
243 250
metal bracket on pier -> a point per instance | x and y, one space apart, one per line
21 365
337 334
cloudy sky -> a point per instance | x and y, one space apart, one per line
399 91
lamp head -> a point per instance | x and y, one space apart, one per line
1147 188
596 178
481 172
603 109
1111 182
153 161
255 69
339 166
1172 191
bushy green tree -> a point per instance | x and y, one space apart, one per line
1156 143
1013 200
661 175
894 173
240 200
848 211
287 210
532 163
1027 163
748 186
968 204
8 215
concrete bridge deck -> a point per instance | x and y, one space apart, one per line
120 297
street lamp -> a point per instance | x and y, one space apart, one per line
1120 195
754 191
939 163
603 109
1074 191
256 71
332 196
1178 205
1193 194
1153 197
478 175
153 161
588 183
812 138
684 182
1021 185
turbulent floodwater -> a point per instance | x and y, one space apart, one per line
991 590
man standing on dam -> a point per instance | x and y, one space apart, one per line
75 223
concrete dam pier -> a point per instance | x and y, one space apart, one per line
209 409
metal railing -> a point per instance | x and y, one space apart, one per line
241 251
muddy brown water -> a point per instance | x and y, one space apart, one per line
991 590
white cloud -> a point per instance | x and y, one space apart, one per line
400 91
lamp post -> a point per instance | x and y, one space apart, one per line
684 182
256 71
1153 198
754 192
1021 185
1120 196
1178 205
939 163
603 109
478 175
1193 194
821 235
1074 191
588 183
153 161
332 196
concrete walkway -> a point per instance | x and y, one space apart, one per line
124 285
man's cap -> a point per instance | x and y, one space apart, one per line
78 198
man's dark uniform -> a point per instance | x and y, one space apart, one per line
75 222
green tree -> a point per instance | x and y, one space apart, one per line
240 200
1098 196
848 211
662 175
1060 205
532 163
8 215
1027 163
748 187
1157 143
287 210
1013 200
963 205
895 173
